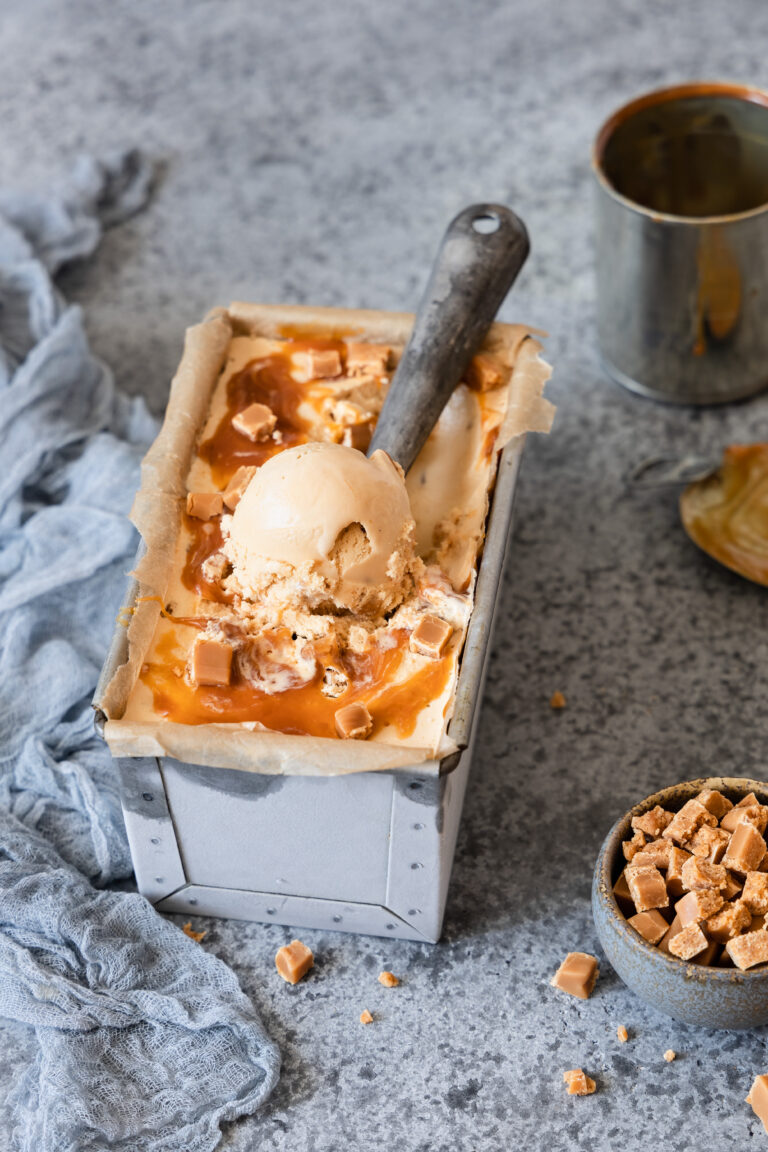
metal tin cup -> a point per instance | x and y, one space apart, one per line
682 243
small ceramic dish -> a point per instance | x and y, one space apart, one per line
710 997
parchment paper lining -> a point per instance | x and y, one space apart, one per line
157 512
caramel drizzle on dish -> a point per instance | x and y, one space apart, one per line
727 513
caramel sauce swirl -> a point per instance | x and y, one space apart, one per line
301 710
268 381
206 541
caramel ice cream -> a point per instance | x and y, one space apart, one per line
292 586
322 528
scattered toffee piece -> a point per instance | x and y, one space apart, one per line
578 1083
758 1098
293 961
188 930
577 975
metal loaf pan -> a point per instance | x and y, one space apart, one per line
368 852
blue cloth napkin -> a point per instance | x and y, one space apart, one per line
145 1040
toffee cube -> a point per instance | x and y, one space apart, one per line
647 888
577 975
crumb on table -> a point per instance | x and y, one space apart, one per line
578 1083
365 1017
188 930
670 1055
622 1034
557 700
758 1098
389 980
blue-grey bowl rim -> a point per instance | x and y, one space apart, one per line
673 796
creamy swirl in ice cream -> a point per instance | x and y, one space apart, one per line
325 529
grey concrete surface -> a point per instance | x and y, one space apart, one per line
313 153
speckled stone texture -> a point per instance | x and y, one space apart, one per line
314 153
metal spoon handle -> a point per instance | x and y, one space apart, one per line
483 250
667 471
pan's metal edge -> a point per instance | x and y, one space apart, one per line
314 912
489 579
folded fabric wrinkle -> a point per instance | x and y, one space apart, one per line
146 1040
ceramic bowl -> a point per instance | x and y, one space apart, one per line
709 997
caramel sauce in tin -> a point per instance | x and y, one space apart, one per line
693 151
